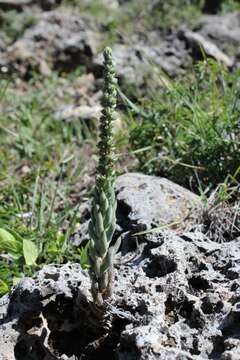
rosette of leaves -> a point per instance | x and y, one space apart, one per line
101 251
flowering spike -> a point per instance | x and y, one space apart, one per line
103 214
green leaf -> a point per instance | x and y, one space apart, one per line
84 259
30 252
3 287
16 280
52 249
9 243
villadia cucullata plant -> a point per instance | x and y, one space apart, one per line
103 214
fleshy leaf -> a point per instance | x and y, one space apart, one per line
30 252
9 243
3 287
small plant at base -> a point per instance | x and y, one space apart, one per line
103 215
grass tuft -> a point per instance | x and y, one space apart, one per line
190 132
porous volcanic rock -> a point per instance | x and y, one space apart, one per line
217 35
26 326
175 297
199 44
146 201
224 30
61 40
135 62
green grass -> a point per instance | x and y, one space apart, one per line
230 6
42 163
31 214
190 132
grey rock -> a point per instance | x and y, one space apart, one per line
180 273
27 301
146 201
224 30
9 338
81 236
21 4
60 40
112 4
135 63
173 300
199 43
232 346
71 112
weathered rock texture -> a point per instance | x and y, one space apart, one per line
60 40
135 63
177 298
148 201
224 30
20 5
145 202
27 329
200 46
63 39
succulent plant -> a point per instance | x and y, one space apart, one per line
103 214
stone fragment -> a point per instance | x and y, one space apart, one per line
223 29
199 44
145 202
157 311
135 64
148 201
60 40
71 112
